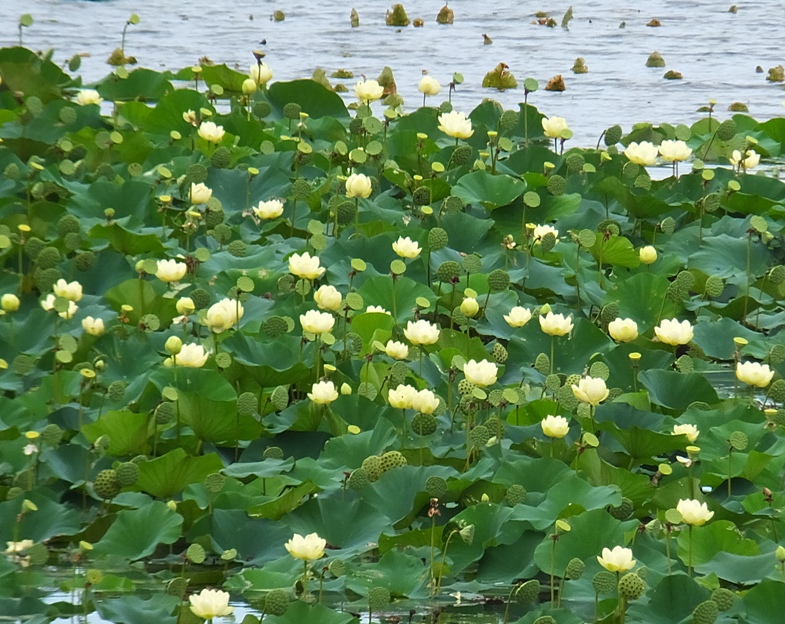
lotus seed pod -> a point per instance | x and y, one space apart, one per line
300 189
52 435
528 592
714 286
392 459
557 185
104 170
479 436
631 170
613 135
22 365
516 495
552 383
195 553
599 369
459 318
212 218
445 107
127 473
106 485
346 211
201 298
609 313
686 279
498 280
356 126
358 479
67 224
624 510
292 110
275 326
196 174
575 163
495 427
262 109
101 444
452 204
508 120
466 387
85 260
398 373
373 467
461 156
631 586
72 241
575 569
685 364
237 248
47 258
246 404
367 390
777 354
705 613
777 274
378 598
421 196
116 391
437 239
723 598
337 567
604 582
448 271
566 397
139 459
424 424
548 241
354 343
12 171
727 130
777 391
668 225
214 482
542 364
272 452
276 602
499 353
436 486
545 619
165 413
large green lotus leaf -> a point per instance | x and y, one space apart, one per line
640 298
136 533
380 291
136 610
127 432
229 79
69 462
257 540
152 84
710 539
740 569
167 475
589 533
278 507
349 451
400 572
569 497
345 521
299 612
281 573
269 467
312 97
466 233
26 72
130 202
671 600
271 363
764 602
726 257
126 242
167 114
677 390
205 382
144 299
715 337
494 525
216 421
488 190
639 204
529 159
642 444
485 116
534 474
635 486
369 325
51 519
615 251
497 566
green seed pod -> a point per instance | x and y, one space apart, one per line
723 598
165 412
499 353
613 135
448 271
498 280
373 467
545 619
272 452
67 224
48 258
116 391
575 163
52 435
631 586
604 582
106 485
127 473
85 260
213 218
542 364
39 555
33 247
461 155
337 567
300 189
438 239
609 313
358 479
479 436
705 613
392 459
104 170
516 495
378 598
623 510
777 391
246 404
346 211
600 369
436 486
445 107
214 482
528 592
727 130
557 185
575 569
237 248
714 286
262 109
466 387
668 225
421 196
509 120
196 173
552 383
452 204
776 275
201 298
276 602
548 241
292 110
424 424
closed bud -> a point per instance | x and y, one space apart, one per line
173 345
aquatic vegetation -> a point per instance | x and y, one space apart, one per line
500 78
397 16
262 348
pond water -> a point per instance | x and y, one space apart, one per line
717 51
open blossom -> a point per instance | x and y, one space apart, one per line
396 350
518 316
421 332
541 230
617 560
406 247
694 512
210 603
556 324
555 426
358 185
309 548
211 132
623 330
371 309
200 193
674 332
328 298
48 304
754 374
674 151
224 314
305 266
643 153
190 117
260 73
591 390
191 356
68 290
268 209
317 322
689 430
429 85
482 373
86 97
425 402
554 126
323 393
751 159
170 270
368 91
93 326
402 397
455 125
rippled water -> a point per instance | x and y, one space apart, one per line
716 51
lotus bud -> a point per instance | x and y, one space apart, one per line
173 345
249 86
346 389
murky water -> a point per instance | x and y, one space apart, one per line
716 51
